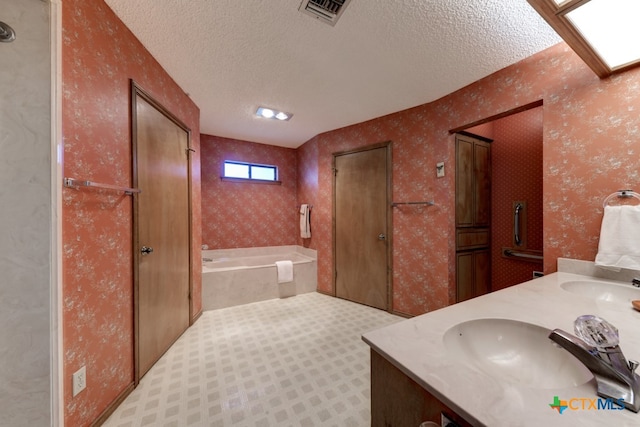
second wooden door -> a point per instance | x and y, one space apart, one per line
362 241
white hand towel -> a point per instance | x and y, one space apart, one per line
285 271
305 222
619 245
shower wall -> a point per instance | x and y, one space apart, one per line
516 162
517 176
25 216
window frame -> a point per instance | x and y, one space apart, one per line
274 181
555 15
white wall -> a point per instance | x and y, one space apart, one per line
26 218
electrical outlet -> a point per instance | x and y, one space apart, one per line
79 380
439 169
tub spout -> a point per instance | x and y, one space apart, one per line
616 378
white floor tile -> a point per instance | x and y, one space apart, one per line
297 361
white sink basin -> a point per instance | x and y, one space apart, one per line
603 291
517 352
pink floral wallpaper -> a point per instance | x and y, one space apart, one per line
247 214
100 56
591 133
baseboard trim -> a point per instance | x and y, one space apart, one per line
325 293
102 418
196 317
401 314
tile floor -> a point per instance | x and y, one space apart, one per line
298 361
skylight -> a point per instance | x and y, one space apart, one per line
602 32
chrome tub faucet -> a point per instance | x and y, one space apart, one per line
598 349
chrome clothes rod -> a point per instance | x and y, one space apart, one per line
430 203
75 183
522 255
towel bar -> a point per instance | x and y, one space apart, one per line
74 183
621 194
394 204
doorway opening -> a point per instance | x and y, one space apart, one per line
516 238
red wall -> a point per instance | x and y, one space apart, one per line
247 214
590 135
516 159
99 57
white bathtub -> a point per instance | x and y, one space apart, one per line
241 276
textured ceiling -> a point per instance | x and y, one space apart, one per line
382 56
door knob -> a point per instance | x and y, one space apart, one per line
145 250
381 236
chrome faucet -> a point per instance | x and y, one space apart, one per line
599 351
636 282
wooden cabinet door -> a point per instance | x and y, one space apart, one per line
481 184
482 272
473 276
473 182
464 182
464 276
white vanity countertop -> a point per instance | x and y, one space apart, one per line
416 347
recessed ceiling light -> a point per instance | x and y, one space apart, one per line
270 113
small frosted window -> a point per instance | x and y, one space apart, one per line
263 172
236 170
250 171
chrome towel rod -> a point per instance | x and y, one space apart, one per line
430 203
75 183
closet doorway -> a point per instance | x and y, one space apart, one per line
362 225
162 282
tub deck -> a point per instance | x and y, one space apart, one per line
236 277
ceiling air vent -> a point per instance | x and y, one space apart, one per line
324 10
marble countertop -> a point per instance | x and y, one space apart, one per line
416 347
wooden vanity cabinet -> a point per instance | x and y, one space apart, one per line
398 401
473 216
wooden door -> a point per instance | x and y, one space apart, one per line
361 226
162 244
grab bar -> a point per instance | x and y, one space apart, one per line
516 225
511 253
74 183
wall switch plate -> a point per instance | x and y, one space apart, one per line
79 380
439 169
